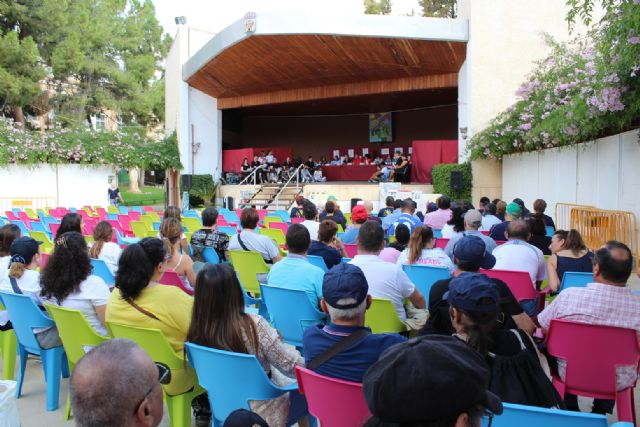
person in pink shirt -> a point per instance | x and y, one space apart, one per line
438 218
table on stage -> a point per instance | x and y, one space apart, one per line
348 172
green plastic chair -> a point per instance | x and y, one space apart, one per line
192 224
382 317
147 220
156 345
76 335
247 265
270 218
112 210
140 229
276 234
9 349
41 236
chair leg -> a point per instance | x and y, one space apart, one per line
22 353
66 371
179 408
624 406
67 408
52 374
9 347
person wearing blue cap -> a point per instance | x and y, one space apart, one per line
344 348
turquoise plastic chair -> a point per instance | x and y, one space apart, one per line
231 216
284 215
437 233
228 230
101 270
318 261
23 228
345 260
424 276
25 316
550 230
532 416
39 226
211 256
575 279
290 311
123 210
233 379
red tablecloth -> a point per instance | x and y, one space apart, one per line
348 172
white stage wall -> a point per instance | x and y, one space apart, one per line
602 173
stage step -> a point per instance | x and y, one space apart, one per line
264 197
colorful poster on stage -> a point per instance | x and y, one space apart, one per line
379 127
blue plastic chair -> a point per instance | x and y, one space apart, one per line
112 217
39 226
233 379
437 233
101 270
290 311
25 316
136 209
156 226
123 210
550 230
424 276
231 216
211 256
345 260
122 240
190 213
318 261
23 228
575 279
227 229
284 215
531 416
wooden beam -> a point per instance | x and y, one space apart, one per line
436 81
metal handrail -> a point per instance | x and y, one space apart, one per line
296 174
253 173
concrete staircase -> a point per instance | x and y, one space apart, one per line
264 198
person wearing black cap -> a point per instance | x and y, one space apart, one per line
470 256
429 381
344 348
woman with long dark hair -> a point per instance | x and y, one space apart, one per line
70 222
67 281
568 253
103 248
219 321
456 224
421 250
8 233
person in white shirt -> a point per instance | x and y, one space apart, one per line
489 218
249 240
103 248
421 250
67 281
8 233
310 213
387 280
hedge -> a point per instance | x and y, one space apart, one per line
441 180
203 190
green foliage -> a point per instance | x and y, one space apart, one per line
441 180
20 71
438 8
377 7
149 196
203 190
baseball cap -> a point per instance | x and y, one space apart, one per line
473 292
359 214
344 281
428 378
244 418
472 250
23 249
514 209
473 217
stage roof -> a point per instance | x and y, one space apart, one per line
274 58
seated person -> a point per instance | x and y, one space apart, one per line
104 248
296 210
472 222
393 251
345 299
407 216
333 212
368 205
310 214
568 253
358 217
328 246
209 237
180 262
382 173
422 251
538 234
388 208
439 218
249 240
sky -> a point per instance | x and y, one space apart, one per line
214 15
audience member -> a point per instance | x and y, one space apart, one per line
524 211
421 250
607 301
388 209
388 220
538 234
175 212
429 381
296 211
358 217
219 321
368 205
456 224
307 277
489 218
437 219
499 231
472 222
539 206
501 210
209 237
484 201
179 262
117 384
406 217
345 300
387 280
470 256
104 248
332 212
249 240
328 246
310 213
568 253
8 233
70 222
67 281
392 252
244 418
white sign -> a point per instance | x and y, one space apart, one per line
336 153
410 150
400 149
350 153
365 151
384 151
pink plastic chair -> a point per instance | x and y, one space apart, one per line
441 242
261 213
171 278
44 257
335 403
115 224
238 212
54 229
486 233
125 222
592 353
11 216
500 242
102 214
280 225
351 250
87 228
25 218
297 220
134 216
147 208
518 281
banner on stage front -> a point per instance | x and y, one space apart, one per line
380 127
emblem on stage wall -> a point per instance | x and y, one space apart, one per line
250 22
379 127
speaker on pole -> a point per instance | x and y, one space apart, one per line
187 182
456 180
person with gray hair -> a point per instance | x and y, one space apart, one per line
472 223
116 384
344 348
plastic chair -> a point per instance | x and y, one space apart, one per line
125 222
345 260
318 261
532 416
280 225
23 228
441 243
276 234
575 279
148 209
76 335
518 281
44 257
25 218
550 231
8 348
171 278
25 316
231 217
101 270
297 220
192 224
592 353
156 345
284 215
382 318
219 371
41 227
437 234
247 265
139 229
351 250
211 256
290 311
334 402
41 236
424 276
228 230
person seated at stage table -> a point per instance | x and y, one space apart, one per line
257 164
333 212
336 161
270 159
437 219
357 160
323 160
245 168
328 246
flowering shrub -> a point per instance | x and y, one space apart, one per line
583 90
60 145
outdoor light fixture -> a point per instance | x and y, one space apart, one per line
463 133
180 20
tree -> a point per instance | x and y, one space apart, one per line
377 7
438 8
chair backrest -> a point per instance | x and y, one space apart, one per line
532 416
191 223
247 264
284 215
274 233
318 261
424 276
549 231
268 219
39 226
21 224
381 317
152 341
518 281
231 217
441 242
290 311
351 250
139 228
335 403
123 210
297 220
124 221
41 236
575 279
592 353
171 278
231 379
228 230
148 209
44 257
280 225
101 270
210 255
25 316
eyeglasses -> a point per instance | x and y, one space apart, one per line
164 378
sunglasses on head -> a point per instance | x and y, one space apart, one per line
164 378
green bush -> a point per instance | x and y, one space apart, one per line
441 179
203 190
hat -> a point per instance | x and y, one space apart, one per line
332 198
359 214
467 290
428 378
473 217
23 249
472 250
344 281
244 418
514 209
